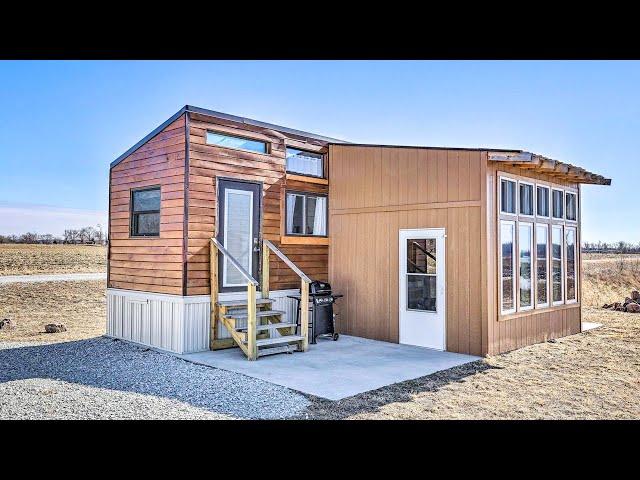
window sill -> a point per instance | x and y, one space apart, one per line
308 179
535 311
294 240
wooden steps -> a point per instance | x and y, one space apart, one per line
278 340
243 303
268 326
259 314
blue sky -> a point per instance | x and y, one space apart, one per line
62 123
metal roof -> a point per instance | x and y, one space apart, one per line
514 157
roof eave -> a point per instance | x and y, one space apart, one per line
546 165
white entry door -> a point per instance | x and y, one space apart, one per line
422 287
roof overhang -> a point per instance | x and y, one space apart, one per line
555 168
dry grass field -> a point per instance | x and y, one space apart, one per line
608 278
49 259
79 305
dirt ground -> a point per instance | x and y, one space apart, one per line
594 375
79 305
43 259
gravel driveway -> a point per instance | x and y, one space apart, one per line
102 378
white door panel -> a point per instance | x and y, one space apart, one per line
422 287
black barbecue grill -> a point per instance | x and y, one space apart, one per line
322 322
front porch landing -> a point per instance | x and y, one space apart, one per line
336 370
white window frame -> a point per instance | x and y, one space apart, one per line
545 226
513 223
575 256
541 185
563 204
533 185
568 192
562 266
533 302
517 195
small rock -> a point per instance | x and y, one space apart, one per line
635 295
633 307
55 328
553 340
7 324
627 300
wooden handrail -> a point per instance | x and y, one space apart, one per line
304 288
286 260
235 263
251 349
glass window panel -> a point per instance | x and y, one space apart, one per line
145 200
508 196
295 213
146 224
421 292
556 263
526 199
421 256
305 163
316 210
237 233
507 236
571 263
231 141
542 262
557 203
542 199
571 206
525 242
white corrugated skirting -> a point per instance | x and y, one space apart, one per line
172 322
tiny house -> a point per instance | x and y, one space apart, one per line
217 221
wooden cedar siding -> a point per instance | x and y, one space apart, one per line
376 191
519 330
152 264
206 162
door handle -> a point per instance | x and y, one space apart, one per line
256 244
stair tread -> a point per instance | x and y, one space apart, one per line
259 313
278 340
268 326
243 302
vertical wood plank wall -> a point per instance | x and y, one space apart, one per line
539 325
376 191
149 264
206 162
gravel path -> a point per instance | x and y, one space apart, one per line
63 277
102 378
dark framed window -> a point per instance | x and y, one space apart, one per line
306 214
305 163
233 141
145 212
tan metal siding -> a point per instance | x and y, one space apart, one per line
374 192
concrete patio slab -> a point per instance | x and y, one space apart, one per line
336 370
590 326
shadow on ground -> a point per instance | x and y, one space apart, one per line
373 401
110 364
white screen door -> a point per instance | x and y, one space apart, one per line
422 288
